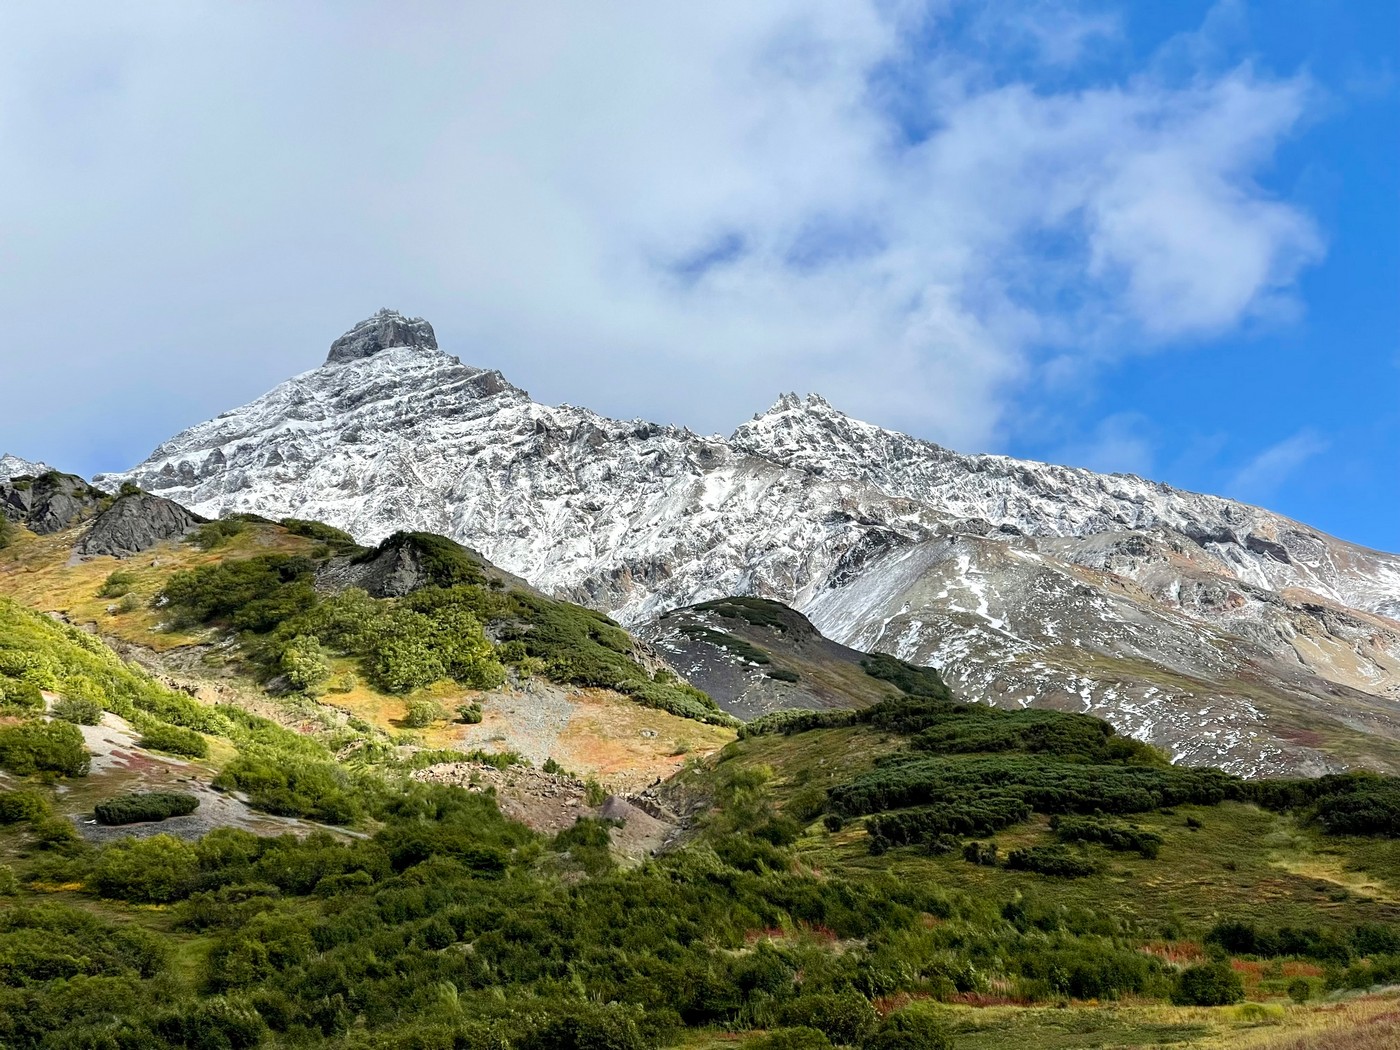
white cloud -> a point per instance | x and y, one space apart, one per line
208 194
1266 472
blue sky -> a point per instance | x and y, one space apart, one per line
1156 237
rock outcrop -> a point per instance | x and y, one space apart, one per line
383 331
49 502
136 522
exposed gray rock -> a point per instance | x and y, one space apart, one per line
398 567
136 522
1028 584
387 328
50 502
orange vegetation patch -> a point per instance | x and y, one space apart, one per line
1178 953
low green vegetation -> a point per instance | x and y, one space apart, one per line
43 747
435 633
175 739
145 806
757 612
849 878
737 646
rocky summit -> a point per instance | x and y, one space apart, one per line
1222 632
383 331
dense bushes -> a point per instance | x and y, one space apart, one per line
145 806
80 710
1114 834
981 815
1238 937
158 736
1370 806
338 541
280 784
1208 984
39 747
437 632
1050 860
1045 786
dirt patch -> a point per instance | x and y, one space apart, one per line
549 803
590 732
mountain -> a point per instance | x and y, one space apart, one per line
755 657
15 467
49 501
1223 632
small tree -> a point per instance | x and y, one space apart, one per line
1209 984
422 713
80 710
305 664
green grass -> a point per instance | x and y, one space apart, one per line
1237 864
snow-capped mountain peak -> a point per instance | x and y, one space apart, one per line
16 467
385 330
1026 581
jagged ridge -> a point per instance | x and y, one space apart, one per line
1042 584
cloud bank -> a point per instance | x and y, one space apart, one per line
661 210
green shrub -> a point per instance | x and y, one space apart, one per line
305 664
18 807
80 710
1050 860
1300 990
338 541
800 1038
155 870
782 674
145 806
345 682
422 713
117 584
1208 984
34 747
19 693
129 603
158 736
585 1026
469 714
1116 835
911 1029
845 1017
216 533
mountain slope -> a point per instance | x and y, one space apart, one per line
1221 631
756 657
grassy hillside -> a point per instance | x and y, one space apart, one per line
273 617
913 873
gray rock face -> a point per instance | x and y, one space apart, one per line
1227 634
757 657
386 329
48 503
397 569
135 523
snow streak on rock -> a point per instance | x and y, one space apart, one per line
1139 602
